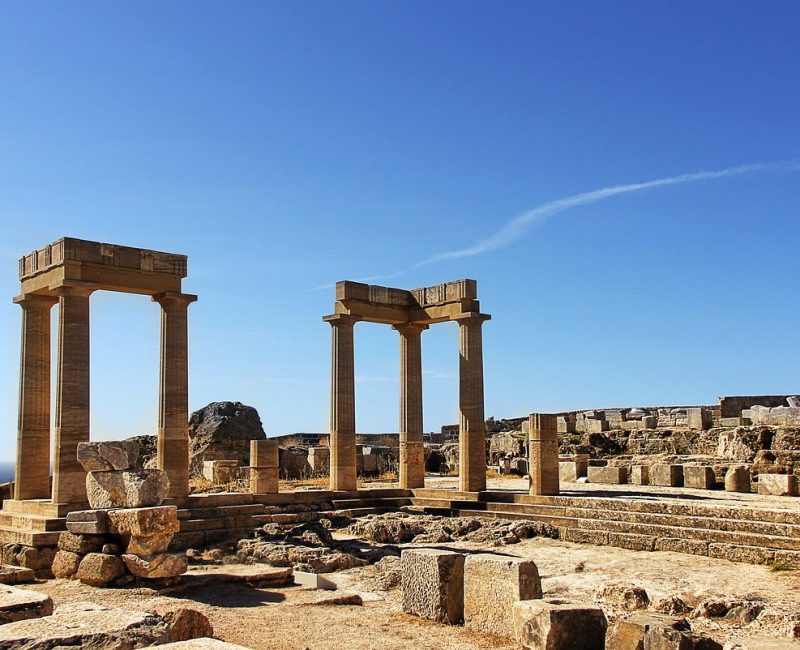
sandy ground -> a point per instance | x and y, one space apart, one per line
288 619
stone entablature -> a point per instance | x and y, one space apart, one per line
114 267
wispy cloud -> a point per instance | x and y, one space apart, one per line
516 228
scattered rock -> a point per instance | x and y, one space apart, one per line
79 543
99 569
65 564
166 565
340 599
15 575
624 597
185 623
149 545
21 604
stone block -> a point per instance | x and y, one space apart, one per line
737 553
737 479
264 453
149 545
595 426
370 463
65 564
699 477
556 625
564 425
319 459
650 422
15 575
99 569
108 456
492 584
609 475
569 471
79 543
628 632
165 565
664 638
666 475
220 471
144 521
640 475
21 604
433 584
264 480
186 623
88 522
783 485
127 489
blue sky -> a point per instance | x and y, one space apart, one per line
284 146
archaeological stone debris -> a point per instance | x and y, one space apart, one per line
535 531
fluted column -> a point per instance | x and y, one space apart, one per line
472 427
32 472
343 404
412 453
172 444
72 393
543 453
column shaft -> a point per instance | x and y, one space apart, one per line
472 427
72 395
172 444
412 453
543 452
32 472
343 406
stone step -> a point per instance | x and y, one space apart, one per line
388 502
27 537
33 523
39 507
359 512
560 522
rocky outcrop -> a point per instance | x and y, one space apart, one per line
223 431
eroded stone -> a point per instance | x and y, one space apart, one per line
127 489
433 584
99 569
108 456
165 565
554 625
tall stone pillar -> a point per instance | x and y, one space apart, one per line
343 404
72 393
172 444
472 425
32 473
543 446
412 453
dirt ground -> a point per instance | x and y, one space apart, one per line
288 618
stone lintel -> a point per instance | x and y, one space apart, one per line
172 297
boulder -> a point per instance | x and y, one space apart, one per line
99 569
165 565
65 564
108 456
623 596
86 625
126 489
185 623
629 632
21 604
223 430
150 544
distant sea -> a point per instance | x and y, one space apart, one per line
6 471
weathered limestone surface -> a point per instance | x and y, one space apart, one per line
699 477
220 471
640 475
203 643
570 470
107 456
88 522
666 475
65 564
737 479
433 584
15 575
492 584
542 625
21 604
612 475
186 623
784 485
264 466
149 544
543 451
165 565
86 625
144 521
629 632
79 543
126 489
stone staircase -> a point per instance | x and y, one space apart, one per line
755 535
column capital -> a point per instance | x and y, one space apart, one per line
410 328
27 300
174 298
471 318
76 289
338 320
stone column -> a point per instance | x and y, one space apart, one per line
543 446
264 466
412 453
173 404
343 404
472 427
32 472
72 393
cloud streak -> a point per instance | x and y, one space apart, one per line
517 227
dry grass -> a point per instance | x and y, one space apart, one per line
286 485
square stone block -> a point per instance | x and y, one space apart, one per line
264 453
570 471
609 475
433 584
492 584
595 426
144 521
640 475
629 631
784 485
666 475
220 471
649 422
88 522
264 480
556 625
699 477
737 479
